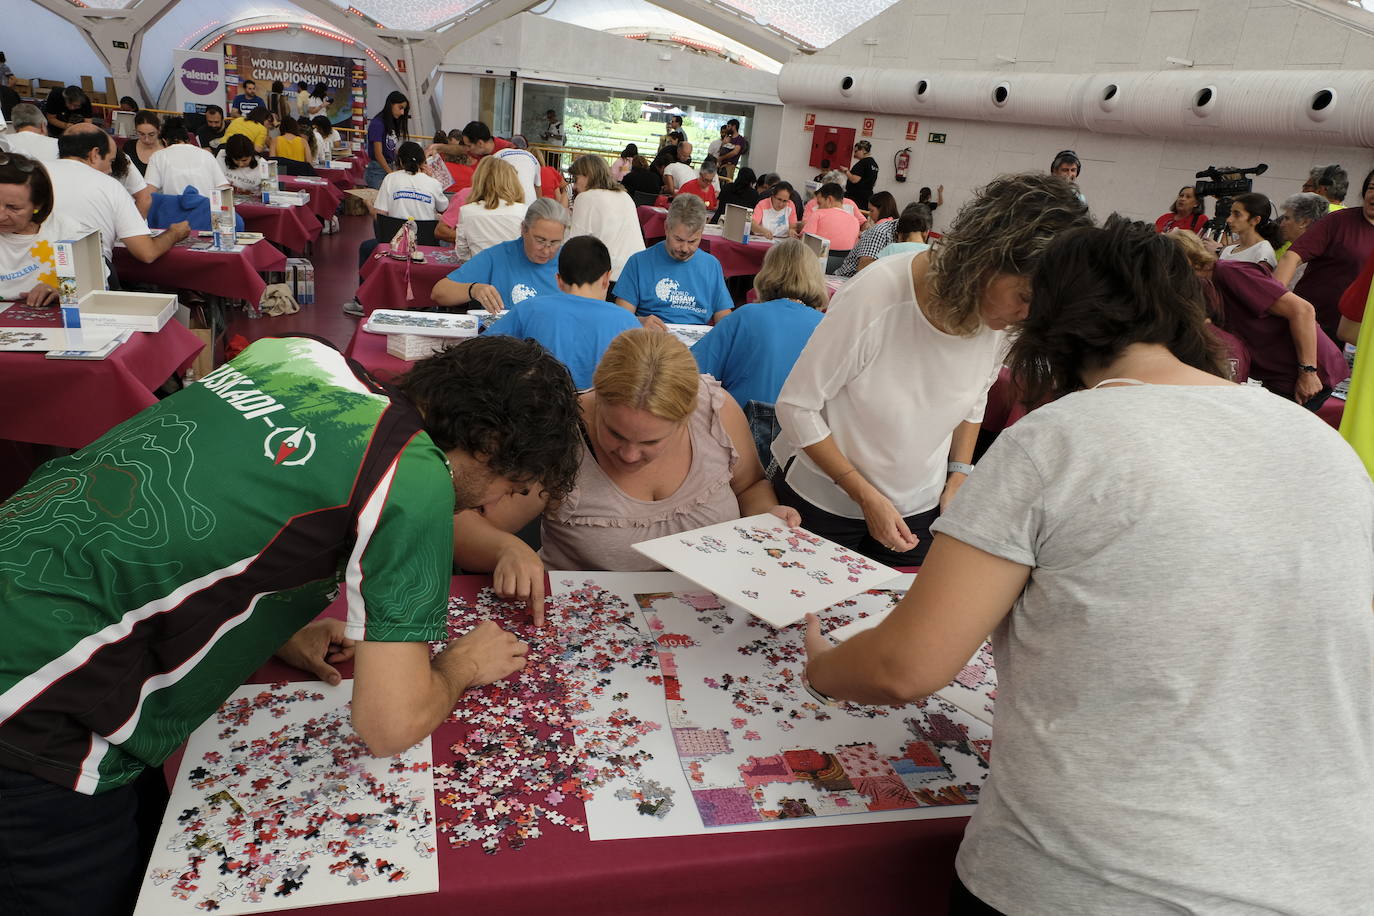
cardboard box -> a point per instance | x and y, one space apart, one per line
415 346
133 311
80 265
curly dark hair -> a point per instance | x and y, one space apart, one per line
1002 230
1097 291
506 401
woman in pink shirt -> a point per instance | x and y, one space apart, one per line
830 221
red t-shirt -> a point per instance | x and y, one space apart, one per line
705 191
1169 221
1356 295
462 176
550 180
1248 292
1335 248
498 145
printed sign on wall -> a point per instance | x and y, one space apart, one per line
868 126
198 79
810 121
263 65
913 130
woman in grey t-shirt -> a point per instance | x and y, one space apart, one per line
1177 573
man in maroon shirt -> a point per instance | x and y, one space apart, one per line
1334 249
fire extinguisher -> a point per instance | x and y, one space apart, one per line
901 163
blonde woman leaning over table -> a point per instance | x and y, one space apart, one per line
665 450
1143 552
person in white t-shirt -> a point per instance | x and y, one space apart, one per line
179 165
526 167
91 200
28 233
1255 233
495 208
31 134
408 193
1176 572
241 164
681 171
881 412
603 208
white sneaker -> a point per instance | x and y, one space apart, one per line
333 224
354 308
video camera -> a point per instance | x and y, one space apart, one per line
1224 184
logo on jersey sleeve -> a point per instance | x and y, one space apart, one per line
289 446
520 292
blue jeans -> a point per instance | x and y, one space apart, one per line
62 852
373 175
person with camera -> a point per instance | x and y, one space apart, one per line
1186 213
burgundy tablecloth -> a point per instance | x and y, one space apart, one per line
342 179
324 196
736 259
898 867
370 351
294 228
72 402
384 280
651 222
230 274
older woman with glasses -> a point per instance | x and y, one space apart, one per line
28 232
506 274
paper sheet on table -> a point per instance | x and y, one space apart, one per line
776 573
278 805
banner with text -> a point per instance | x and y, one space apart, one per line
198 78
264 65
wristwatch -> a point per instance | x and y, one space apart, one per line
1306 368
960 467
820 697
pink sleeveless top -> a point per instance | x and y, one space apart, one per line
597 522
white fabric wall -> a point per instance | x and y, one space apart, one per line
1138 176
30 48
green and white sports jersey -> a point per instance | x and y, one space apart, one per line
144 577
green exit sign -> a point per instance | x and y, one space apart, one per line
936 138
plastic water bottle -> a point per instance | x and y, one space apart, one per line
224 231
266 189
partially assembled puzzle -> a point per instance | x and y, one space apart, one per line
279 804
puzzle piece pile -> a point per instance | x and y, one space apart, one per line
302 807
530 748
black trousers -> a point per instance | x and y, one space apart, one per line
963 903
62 852
853 532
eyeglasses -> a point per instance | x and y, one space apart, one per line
543 243
146 134
22 163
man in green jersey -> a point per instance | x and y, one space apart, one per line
145 577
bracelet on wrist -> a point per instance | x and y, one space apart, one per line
1304 367
836 480
960 467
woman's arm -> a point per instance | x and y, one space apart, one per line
1349 331
751 487
1287 267
960 596
1302 325
379 155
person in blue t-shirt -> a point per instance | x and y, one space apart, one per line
752 349
507 274
673 282
577 324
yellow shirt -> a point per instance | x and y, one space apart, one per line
289 146
250 129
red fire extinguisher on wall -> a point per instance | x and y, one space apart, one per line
901 163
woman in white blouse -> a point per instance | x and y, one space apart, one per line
242 165
881 412
1254 232
495 208
603 208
